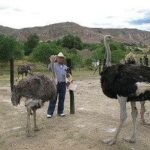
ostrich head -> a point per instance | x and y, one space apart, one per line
107 39
28 68
53 58
15 97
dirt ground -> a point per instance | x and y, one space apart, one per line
96 119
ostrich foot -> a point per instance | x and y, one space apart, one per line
130 140
109 141
145 123
30 135
37 129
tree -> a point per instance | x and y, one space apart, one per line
70 41
9 50
42 52
31 43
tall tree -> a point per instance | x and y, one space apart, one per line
70 41
42 52
31 43
9 50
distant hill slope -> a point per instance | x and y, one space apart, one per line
89 35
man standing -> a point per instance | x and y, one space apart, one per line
60 71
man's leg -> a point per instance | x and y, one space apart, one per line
51 107
62 93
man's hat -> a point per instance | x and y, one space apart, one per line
61 55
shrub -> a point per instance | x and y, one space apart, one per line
42 52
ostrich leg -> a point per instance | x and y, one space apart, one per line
134 114
28 122
34 119
123 116
142 112
18 77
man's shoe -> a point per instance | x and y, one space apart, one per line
49 116
62 115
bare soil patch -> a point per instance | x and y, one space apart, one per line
96 119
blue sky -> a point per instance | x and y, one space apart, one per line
90 13
145 19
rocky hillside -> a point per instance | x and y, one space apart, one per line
89 35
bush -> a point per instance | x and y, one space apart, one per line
75 58
88 62
117 55
117 46
42 52
98 54
118 52
93 46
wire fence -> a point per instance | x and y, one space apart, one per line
5 71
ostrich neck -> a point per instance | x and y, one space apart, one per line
108 52
54 79
53 70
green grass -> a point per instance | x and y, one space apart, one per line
4 80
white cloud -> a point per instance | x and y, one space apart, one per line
92 13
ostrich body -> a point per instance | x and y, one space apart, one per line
23 69
37 89
127 83
131 59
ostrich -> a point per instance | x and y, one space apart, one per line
23 69
131 59
37 89
127 83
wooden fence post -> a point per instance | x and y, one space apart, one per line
71 93
11 73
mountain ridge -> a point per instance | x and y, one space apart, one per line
87 34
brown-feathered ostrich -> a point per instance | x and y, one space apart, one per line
127 83
37 89
23 69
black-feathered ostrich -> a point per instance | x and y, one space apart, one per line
127 83
37 89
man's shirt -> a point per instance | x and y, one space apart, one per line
60 71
